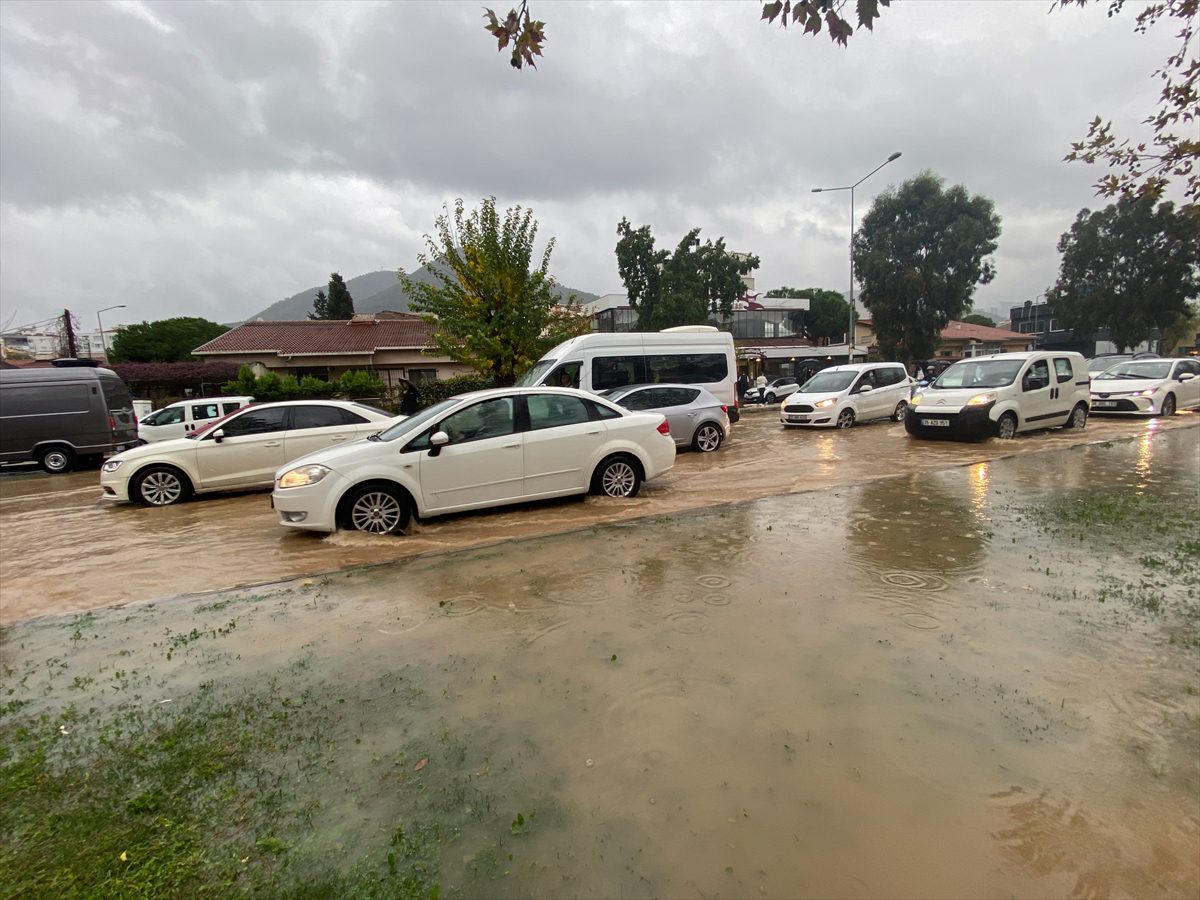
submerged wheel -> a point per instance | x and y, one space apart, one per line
770 398
378 509
900 412
1168 407
845 418
617 477
56 459
1006 428
707 438
160 486
1078 419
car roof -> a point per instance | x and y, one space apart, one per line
859 367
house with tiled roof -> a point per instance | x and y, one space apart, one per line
962 339
393 345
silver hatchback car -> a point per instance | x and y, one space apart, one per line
696 417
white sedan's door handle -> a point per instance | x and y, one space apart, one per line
338 437
271 444
511 446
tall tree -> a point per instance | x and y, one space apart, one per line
979 319
341 304
491 310
320 308
828 312
1129 268
919 253
167 340
685 287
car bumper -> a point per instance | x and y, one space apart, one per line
115 488
821 418
1128 406
309 508
967 423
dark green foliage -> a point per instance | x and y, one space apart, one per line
828 313
320 308
352 385
337 304
1129 268
167 340
680 288
489 309
979 319
921 250
431 392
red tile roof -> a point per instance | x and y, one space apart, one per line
360 335
966 331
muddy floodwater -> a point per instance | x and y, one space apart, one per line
63 548
977 681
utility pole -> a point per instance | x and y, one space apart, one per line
69 331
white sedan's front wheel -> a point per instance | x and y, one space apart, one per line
377 509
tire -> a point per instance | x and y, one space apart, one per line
1078 418
618 476
900 412
378 509
770 398
845 418
1006 427
56 459
708 437
1168 407
160 486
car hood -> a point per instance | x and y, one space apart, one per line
158 448
1125 385
796 398
335 457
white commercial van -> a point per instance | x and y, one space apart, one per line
181 419
690 354
1003 394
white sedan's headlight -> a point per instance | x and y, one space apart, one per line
302 476
1149 393
981 399
826 403
112 465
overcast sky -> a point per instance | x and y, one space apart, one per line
210 159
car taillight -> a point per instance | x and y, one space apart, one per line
663 427
724 409
112 424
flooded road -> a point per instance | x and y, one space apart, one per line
62 548
978 681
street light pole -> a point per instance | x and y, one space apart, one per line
100 325
850 188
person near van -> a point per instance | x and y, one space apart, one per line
743 385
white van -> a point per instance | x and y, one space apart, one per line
1003 394
690 354
181 419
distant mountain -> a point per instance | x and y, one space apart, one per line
372 292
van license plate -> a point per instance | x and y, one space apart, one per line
938 423
1103 404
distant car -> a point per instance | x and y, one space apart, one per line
485 448
696 417
238 452
1147 387
842 395
1103 361
774 390
180 419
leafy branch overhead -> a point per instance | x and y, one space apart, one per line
811 14
525 34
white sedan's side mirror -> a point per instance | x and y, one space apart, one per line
439 439
1186 376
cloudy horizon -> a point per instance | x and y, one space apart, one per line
211 159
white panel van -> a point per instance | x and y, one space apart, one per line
1003 394
693 354
181 419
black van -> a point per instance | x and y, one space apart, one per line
62 415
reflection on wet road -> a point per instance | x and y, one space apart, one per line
909 687
62 548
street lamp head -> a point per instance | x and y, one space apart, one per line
895 155
817 190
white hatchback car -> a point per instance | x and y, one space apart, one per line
842 395
1147 387
485 448
239 452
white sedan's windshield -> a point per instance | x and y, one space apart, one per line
413 424
1143 369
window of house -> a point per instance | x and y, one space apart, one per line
417 376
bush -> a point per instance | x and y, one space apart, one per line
267 388
358 383
431 392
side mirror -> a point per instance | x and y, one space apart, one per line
863 388
437 441
219 435
1186 376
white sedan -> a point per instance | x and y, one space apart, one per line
236 453
486 448
1147 387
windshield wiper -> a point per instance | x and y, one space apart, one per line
374 437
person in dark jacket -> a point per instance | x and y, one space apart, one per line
410 401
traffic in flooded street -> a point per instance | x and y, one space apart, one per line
66 549
923 670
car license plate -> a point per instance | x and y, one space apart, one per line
797 418
1103 404
937 423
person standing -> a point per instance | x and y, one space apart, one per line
743 384
761 381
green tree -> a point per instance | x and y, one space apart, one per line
918 254
1129 268
680 288
341 304
167 340
489 309
828 313
320 308
979 319
1182 332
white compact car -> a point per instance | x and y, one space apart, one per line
1147 387
239 452
180 419
842 395
485 448
1001 395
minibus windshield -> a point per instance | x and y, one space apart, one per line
534 376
